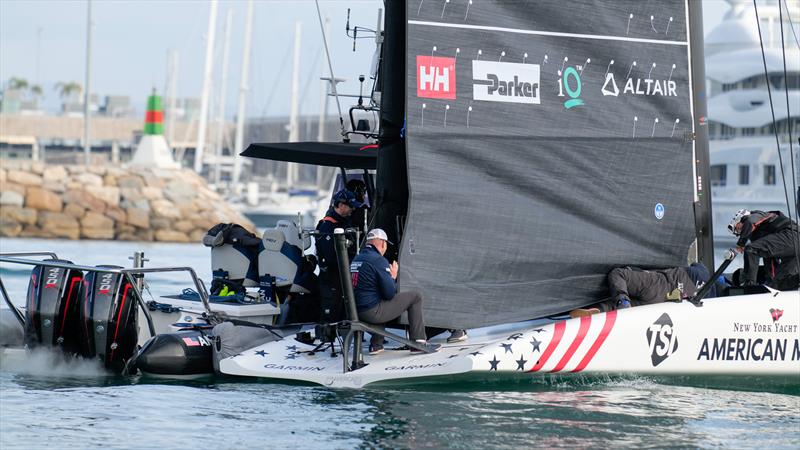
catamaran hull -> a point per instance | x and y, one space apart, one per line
742 335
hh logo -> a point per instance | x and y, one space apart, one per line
662 340
436 77
776 314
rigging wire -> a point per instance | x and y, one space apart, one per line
789 119
789 16
774 123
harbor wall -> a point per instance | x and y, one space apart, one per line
108 202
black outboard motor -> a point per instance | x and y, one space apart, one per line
51 316
108 317
180 353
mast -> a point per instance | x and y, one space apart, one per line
201 127
294 120
702 181
171 94
220 132
243 88
87 145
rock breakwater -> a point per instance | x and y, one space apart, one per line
107 202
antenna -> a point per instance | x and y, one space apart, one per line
330 65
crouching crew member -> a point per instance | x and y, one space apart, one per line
771 236
632 286
377 300
330 285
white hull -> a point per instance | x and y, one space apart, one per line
727 336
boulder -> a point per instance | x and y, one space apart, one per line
171 236
96 220
184 225
24 178
43 200
110 180
135 204
32 231
84 199
9 228
59 224
74 210
116 213
160 223
37 167
98 169
54 173
97 233
88 179
197 235
179 191
165 209
11 198
108 194
54 186
130 182
3 175
9 186
152 193
25 216
138 217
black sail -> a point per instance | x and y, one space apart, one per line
547 142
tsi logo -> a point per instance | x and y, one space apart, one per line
662 340
436 77
505 82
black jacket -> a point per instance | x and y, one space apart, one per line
646 287
326 251
759 224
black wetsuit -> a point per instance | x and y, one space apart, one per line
330 284
774 237
645 287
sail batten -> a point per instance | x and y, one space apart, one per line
546 144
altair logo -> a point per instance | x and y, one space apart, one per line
436 77
505 82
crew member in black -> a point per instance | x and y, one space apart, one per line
338 216
771 236
361 214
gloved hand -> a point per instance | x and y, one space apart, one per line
623 302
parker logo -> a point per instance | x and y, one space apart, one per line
662 340
505 82
105 283
51 282
776 314
436 77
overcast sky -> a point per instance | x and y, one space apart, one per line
131 39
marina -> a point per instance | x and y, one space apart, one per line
557 197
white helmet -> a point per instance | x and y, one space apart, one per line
736 219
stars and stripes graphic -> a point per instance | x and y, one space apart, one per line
566 346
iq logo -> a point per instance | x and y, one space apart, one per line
570 78
659 211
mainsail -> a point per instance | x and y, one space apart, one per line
547 142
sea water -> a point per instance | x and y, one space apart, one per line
79 406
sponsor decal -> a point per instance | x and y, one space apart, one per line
505 82
765 327
639 86
196 341
659 211
436 77
293 368
749 349
105 283
51 281
662 339
776 314
415 366
570 83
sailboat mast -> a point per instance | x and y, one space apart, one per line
702 173
223 85
201 127
294 119
243 88
87 93
171 94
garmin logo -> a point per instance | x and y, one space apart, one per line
505 82
436 77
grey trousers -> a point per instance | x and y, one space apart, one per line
392 309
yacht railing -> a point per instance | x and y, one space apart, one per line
128 273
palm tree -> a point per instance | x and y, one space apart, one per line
68 89
15 83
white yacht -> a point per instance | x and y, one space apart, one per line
745 167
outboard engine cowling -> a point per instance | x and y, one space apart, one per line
180 353
51 316
108 318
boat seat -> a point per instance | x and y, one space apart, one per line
292 234
280 259
233 259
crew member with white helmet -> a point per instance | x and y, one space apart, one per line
773 237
